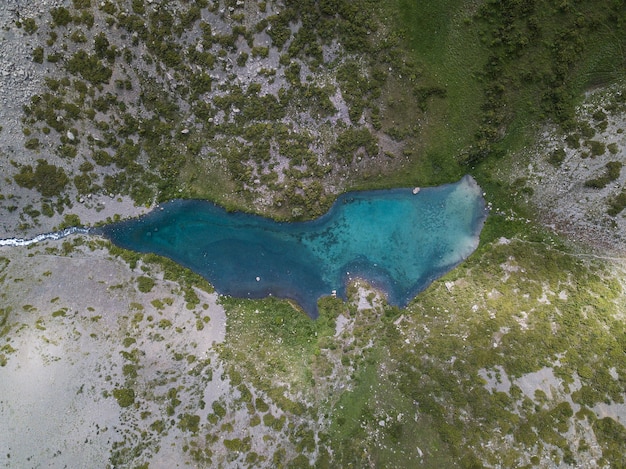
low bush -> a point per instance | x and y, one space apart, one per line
48 179
613 170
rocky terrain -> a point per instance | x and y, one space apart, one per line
132 103
566 174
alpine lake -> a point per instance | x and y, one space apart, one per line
398 240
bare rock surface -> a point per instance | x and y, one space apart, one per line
564 200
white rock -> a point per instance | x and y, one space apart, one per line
70 135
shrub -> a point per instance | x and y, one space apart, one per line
573 140
54 58
89 67
597 148
82 182
81 4
139 7
189 423
29 25
617 204
108 7
259 51
69 220
353 139
124 397
242 59
48 179
219 410
613 170
102 158
32 143
67 151
61 16
78 37
38 55
557 157
145 284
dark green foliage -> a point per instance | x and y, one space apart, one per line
260 51
101 45
356 88
102 158
612 437
573 140
613 170
86 18
54 57
61 16
138 7
32 143
218 409
125 397
200 83
78 37
30 26
425 93
82 182
38 55
46 209
557 157
238 445
189 423
89 67
279 31
67 151
537 50
81 4
69 220
145 284
188 18
597 148
352 140
242 58
617 204
48 179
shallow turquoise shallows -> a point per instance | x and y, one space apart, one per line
396 240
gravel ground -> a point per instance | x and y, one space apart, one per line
563 201
65 356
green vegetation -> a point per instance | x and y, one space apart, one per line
48 179
125 397
145 284
557 157
148 99
617 204
89 67
416 360
613 170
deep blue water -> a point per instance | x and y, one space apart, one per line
398 241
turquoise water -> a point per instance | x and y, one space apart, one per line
398 241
